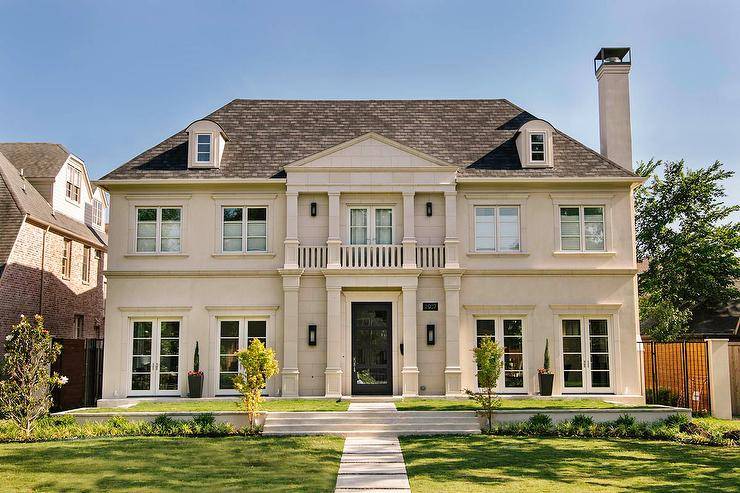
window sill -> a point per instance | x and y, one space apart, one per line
156 254
243 254
498 254
76 204
561 253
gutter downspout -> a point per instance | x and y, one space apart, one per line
43 258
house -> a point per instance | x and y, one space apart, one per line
721 323
52 241
373 244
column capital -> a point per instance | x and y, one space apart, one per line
450 193
408 288
408 193
291 193
333 288
333 193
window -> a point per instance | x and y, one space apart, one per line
74 181
204 148
234 228
158 229
513 372
236 334
79 328
582 228
67 259
537 147
371 226
97 213
497 229
586 354
86 264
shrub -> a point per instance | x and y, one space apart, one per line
205 420
626 420
489 360
539 423
676 420
663 396
259 364
582 421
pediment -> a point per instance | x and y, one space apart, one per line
370 151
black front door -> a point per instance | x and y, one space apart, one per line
371 349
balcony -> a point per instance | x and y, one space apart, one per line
371 257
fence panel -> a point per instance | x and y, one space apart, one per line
735 376
81 361
677 374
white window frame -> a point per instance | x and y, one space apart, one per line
582 226
86 263
197 148
371 227
498 316
73 186
497 228
158 229
497 199
586 199
156 343
587 385
245 229
97 213
68 247
531 152
244 340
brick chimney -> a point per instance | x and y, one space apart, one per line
612 67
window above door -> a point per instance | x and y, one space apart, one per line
371 225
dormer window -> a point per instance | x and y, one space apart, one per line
204 148
537 147
74 182
97 213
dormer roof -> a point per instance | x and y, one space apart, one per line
36 159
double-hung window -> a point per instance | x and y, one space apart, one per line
236 334
158 229
67 259
371 226
97 213
537 147
244 228
508 330
74 182
497 229
86 263
204 150
582 228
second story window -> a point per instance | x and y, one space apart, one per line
244 227
204 148
74 182
582 228
537 147
158 229
67 259
371 226
97 213
86 264
497 229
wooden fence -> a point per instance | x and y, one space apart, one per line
734 349
677 374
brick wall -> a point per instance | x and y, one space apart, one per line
20 285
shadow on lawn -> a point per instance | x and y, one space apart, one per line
569 464
151 464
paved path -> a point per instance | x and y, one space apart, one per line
371 463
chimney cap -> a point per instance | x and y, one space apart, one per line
612 56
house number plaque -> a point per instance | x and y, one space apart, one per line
430 306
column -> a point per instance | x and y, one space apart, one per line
409 231
289 372
453 372
451 242
410 371
333 373
333 242
720 388
291 230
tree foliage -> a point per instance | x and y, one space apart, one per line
690 242
489 358
25 393
259 364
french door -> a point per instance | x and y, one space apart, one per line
370 226
586 355
372 366
235 334
155 357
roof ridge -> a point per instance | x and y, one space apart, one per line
360 100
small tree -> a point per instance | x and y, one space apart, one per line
25 394
489 358
546 362
259 364
196 359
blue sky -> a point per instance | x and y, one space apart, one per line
110 79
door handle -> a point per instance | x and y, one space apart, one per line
354 364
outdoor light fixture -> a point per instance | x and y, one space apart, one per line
313 209
311 334
429 208
430 335
401 349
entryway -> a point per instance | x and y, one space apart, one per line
372 365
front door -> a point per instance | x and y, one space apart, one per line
371 349
155 357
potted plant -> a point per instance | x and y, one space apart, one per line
545 374
195 377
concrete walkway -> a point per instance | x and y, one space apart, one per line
372 463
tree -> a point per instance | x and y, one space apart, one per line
489 358
690 242
25 396
259 364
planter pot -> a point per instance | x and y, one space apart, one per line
195 386
546 383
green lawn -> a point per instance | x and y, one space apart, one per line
228 405
481 463
173 464
719 424
430 404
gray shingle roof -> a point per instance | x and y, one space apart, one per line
17 194
266 135
37 159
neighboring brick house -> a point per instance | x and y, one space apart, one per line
53 242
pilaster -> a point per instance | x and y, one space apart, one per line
453 372
409 231
410 370
289 372
451 242
333 373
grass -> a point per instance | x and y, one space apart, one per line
719 424
483 463
173 464
430 404
227 405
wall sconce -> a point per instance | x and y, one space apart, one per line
313 209
430 335
312 335
401 349
429 208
